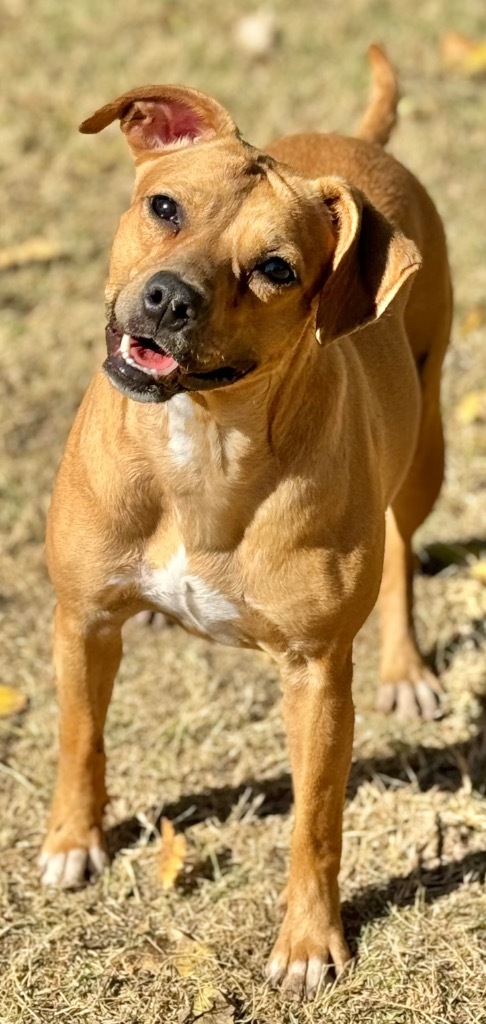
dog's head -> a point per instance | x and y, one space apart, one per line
225 256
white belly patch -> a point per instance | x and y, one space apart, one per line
179 593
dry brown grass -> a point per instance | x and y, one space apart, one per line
195 731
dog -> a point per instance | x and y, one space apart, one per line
256 454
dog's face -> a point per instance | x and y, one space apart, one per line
215 267
225 256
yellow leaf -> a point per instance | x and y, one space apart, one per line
472 408
475 61
478 570
204 1000
11 701
473 319
197 962
462 54
192 957
454 47
172 855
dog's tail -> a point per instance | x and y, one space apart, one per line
380 116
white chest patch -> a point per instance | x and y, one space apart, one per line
179 416
176 591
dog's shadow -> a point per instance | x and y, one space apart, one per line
375 901
430 767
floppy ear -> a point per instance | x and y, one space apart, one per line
370 263
156 116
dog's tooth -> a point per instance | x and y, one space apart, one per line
143 369
125 344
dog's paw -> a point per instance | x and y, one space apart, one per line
66 866
300 964
416 696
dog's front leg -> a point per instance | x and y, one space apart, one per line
319 719
87 656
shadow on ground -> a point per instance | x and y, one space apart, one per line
426 767
374 901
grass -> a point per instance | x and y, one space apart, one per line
195 731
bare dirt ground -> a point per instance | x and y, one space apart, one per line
194 730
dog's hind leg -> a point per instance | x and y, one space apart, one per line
87 656
407 685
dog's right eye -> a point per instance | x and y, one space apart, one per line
166 209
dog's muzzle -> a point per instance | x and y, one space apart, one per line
157 354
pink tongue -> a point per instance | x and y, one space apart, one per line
150 359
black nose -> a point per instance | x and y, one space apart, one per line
171 302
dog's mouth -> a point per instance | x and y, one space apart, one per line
145 354
141 369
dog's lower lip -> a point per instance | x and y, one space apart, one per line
222 373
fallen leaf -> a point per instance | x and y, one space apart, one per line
472 408
475 61
197 963
172 855
145 959
191 955
12 702
204 1000
454 48
463 54
224 1014
34 250
473 319
478 570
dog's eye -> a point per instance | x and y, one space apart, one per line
165 208
277 270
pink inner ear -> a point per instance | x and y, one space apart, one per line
164 123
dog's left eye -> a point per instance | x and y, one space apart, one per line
277 270
166 209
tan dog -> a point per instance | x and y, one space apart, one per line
234 471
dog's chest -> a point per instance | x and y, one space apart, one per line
180 593
180 416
